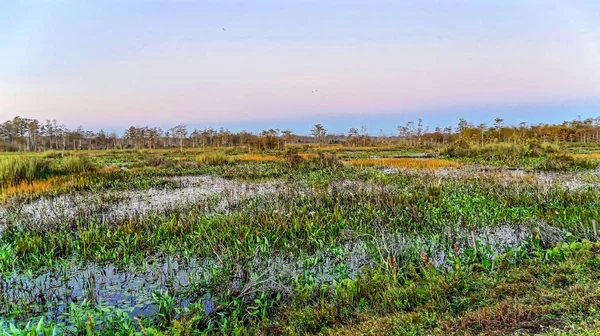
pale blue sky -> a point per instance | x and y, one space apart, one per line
114 63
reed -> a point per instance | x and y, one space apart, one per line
14 170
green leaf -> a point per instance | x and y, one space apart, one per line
40 325
14 329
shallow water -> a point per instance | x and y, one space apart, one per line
114 206
567 180
50 293
130 287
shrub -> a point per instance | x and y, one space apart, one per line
77 164
16 169
458 149
213 159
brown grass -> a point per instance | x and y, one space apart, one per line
503 318
415 163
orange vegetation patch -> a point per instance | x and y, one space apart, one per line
416 163
27 188
595 156
308 155
257 157
38 187
31 188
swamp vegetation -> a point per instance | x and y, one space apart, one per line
497 239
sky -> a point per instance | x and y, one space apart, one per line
292 63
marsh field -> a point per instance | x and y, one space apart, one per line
306 240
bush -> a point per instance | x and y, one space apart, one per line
77 164
564 162
458 149
213 159
16 169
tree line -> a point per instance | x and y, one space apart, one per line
22 134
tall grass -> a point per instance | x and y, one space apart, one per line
14 170
214 159
77 164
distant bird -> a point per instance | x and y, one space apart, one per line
223 29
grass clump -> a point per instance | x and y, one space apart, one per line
214 159
14 170
77 164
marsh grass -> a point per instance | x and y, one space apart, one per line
77 164
506 153
323 208
214 159
14 170
413 163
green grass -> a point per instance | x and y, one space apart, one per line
14 170
214 159
77 164
531 154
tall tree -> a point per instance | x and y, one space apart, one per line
319 132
